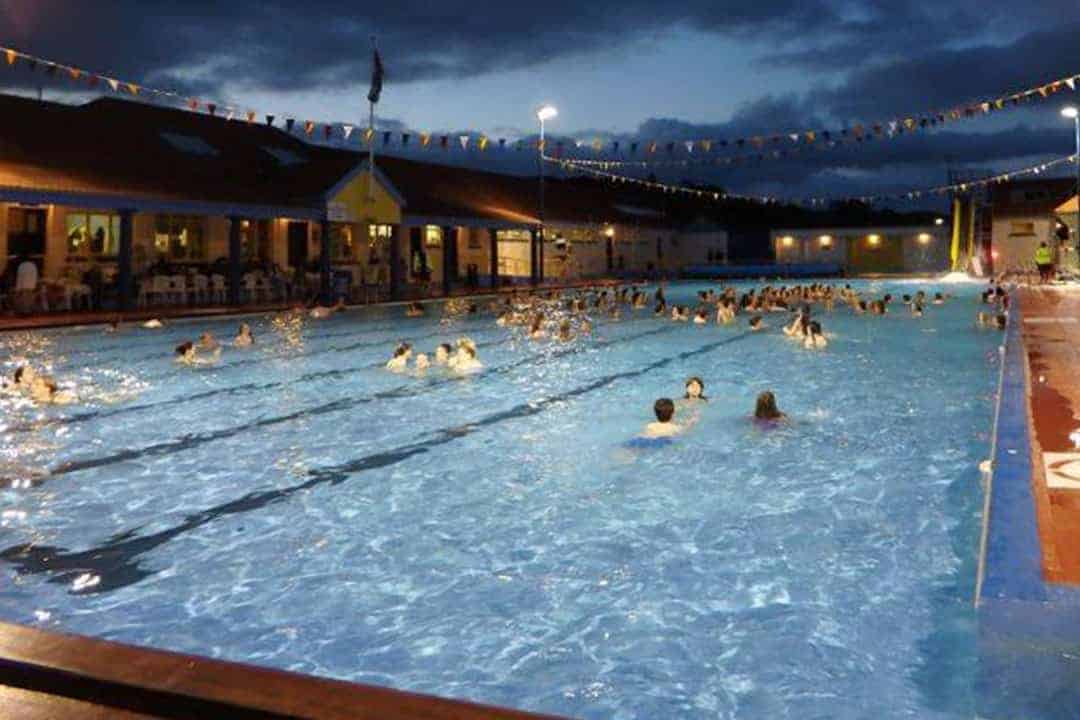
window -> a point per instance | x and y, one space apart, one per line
190 144
377 233
513 235
180 237
255 240
26 231
93 234
432 236
1021 227
341 243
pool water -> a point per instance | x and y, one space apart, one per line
498 537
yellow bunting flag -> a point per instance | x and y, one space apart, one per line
483 143
707 145
133 88
369 135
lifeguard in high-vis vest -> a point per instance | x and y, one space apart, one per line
1044 260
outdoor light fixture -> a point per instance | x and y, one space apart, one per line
924 238
939 221
873 239
546 113
609 231
1070 112
787 241
825 240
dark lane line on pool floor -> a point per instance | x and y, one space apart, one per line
188 442
174 401
116 562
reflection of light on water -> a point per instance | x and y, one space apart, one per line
42 615
85 582
290 329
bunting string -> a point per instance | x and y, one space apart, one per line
810 201
613 154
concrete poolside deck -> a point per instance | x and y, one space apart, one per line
1028 599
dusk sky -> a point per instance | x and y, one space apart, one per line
624 69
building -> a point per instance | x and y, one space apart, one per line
865 250
1023 216
120 203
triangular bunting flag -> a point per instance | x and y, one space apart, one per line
270 121
211 108
289 122
114 84
386 136
193 104
425 139
811 136
707 145
230 114
444 142
309 127
794 137
251 116
483 142
464 140
405 139
1071 82
502 143
369 135
689 146
93 81
347 131
133 88
11 56
75 73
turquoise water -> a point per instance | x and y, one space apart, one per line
493 537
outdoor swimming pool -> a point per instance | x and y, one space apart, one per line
493 538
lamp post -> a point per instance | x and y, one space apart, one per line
544 113
1072 113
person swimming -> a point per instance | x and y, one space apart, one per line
187 354
916 309
765 407
153 324
464 358
443 354
321 312
400 359
1000 321
565 334
695 389
414 309
44 391
664 409
660 310
24 377
207 342
701 317
814 340
939 299
756 323
422 362
536 329
244 338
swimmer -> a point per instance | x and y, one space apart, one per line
700 317
916 309
938 299
983 319
660 310
725 314
422 362
565 335
244 338
207 342
153 324
1000 321
756 323
664 409
402 353
442 354
814 339
695 389
465 360
536 330
877 307
24 377
320 312
187 354
765 407
44 391
414 309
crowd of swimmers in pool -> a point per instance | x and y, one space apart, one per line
565 315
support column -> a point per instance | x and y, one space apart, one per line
234 260
532 256
493 234
123 261
540 255
325 291
395 262
449 259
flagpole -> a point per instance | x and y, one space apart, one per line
371 137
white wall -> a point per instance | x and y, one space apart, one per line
1015 248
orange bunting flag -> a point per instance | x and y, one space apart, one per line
75 73
251 116
133 88
1044 90
811 136
425 139
309 127
11 56
193 104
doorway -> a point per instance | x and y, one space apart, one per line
298 244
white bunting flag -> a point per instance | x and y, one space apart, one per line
348 130
1071 82
464 140
794 137
689 146
114 84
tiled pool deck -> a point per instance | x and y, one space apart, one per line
1029 594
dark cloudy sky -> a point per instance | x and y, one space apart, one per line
614 68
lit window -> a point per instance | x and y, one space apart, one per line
93 234
190 144
181 237
432 236
825 240
873 239
787 241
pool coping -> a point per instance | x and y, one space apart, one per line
1028 628
92 678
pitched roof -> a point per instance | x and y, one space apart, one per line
117 147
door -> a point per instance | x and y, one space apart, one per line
298 244
610 254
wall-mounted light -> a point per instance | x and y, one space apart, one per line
609 231
825 240
787 241
924 238
873 239
939 221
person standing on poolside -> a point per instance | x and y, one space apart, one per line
1044 261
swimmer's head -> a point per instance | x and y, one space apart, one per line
185 347
765 408
422 360
664 409
695 387
403 349
467 345
815 328
442 353
755 322
1000 321
906 298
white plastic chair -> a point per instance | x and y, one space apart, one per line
178 289
201 288
217 287
160 289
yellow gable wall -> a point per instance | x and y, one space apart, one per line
381 209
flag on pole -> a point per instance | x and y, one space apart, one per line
376 79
